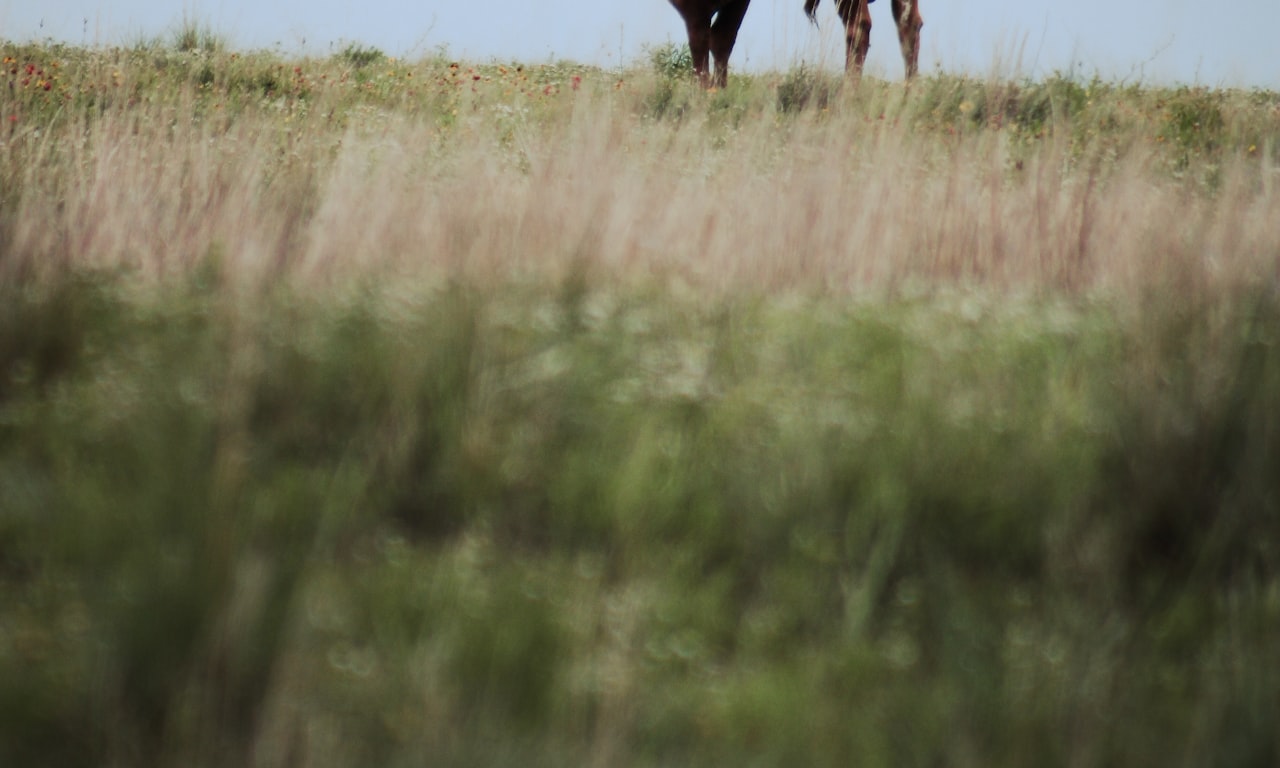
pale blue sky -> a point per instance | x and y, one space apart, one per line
1207 43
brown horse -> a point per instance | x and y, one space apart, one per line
713 28
857 31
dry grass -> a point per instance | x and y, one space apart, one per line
877 191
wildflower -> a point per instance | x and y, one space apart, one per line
577 81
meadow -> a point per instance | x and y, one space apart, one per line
378 412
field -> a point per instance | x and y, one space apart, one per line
366 412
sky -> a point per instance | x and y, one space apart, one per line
1148 41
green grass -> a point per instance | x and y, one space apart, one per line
524 529
357 411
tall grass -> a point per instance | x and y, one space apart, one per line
361 411
323 168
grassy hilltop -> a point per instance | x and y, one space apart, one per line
360 411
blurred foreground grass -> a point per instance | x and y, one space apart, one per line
619 527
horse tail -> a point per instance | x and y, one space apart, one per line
810 6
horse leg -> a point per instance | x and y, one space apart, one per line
906 14
724 33
699 28
857 33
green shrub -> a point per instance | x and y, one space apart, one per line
195 37
803 87
360 56
671 61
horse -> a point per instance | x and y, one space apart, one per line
857 31
713 29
